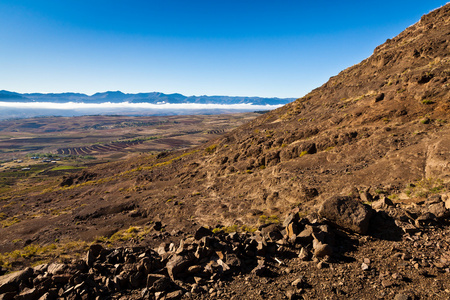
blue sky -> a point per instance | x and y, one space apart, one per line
217 47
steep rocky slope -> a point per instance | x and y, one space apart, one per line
377 131
377 126
381 124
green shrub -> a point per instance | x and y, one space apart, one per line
393 197
424 187
427 101
303 153
234 228
379 191
211 149
273 219
425 121
132 229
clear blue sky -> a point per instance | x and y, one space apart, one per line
217 47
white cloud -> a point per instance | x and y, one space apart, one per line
134 106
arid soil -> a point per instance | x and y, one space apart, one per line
351 179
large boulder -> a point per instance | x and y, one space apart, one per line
437 163
347 213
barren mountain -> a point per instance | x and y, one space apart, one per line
154 97
378 131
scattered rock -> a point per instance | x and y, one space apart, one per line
304 254
174 295
365 267
202 232
365 197
161 284
290 218
157 226
322 265
177 264
292 231
425 219
292 294
151 278
299 282
321 250
387 283
195 269
260 270
379 97
401 297
56 268
306 235
446 198
383 203
439 210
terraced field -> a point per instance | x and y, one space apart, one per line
103 136
98 149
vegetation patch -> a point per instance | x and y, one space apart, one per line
211 149
425 187
62 168
380 191
42 254
427 101
425 121
393 197
234 228
58 250
133 232
273 219
9 222
303 153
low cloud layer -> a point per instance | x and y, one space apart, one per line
35 109
109 105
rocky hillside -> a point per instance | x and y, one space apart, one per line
357 171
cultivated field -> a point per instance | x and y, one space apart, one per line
102 136
38 148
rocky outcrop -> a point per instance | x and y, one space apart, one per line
173 271
10 283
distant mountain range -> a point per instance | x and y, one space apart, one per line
154 97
